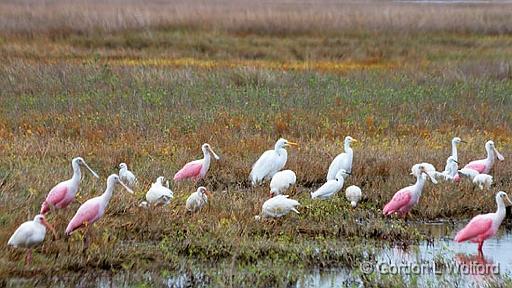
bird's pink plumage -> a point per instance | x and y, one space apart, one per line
478 229
400 201
89 212
477 165
56 198
190 170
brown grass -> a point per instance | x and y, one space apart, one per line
58 18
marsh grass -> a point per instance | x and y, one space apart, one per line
147 85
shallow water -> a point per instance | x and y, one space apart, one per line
434 262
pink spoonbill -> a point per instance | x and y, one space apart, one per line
64 193
197 169
30 234
484 226
484 166
406 198
94 208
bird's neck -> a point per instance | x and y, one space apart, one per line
347 148
77 174
490 155
454 151
420 182
280 151
108 193
122 170
501 211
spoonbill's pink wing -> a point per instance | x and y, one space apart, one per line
190 170
401 198
478 226
88 213
477 165
56 195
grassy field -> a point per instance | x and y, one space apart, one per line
147 85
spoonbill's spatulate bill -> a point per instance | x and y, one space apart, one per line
278 206
159 194
270 162
353 194
30 234
330 187
281 181
484 226
406 198
197 169
198 199
343 160
484 166
127 176
64 193
93 209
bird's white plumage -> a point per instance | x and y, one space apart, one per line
353 194
28 234
281 181
197 200
342 161
158 194
483 181
270 162
451 169
127 176
330 187
278 206
429 169
468 173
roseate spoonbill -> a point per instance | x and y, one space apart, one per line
353 194
281 181
330 187
484 226
406 198
94 208
343 160
127 176
429 169
483 180
197 169
468 173
159 194
64 193
198 199
451 169
278 206
270 162
455 142
30 234
484 166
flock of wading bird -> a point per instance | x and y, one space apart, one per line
267 168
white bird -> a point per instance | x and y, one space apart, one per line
159 194
281 181
198 199
127 176
455 142
428 168
343 160
270 162
30 234
483 180
330 187
353 194
468 173
278 206
451 169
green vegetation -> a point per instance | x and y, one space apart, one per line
150 96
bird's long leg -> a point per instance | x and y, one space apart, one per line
86 236
28 257
480 245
